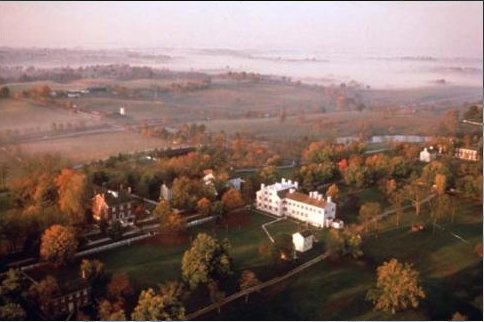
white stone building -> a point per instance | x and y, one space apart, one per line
303 241
282 199
466 154
426 156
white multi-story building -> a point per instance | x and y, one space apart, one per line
466 154
282 199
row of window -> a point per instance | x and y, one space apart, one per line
121 207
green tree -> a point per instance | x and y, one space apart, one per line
247 280
12 285
162 306
206 259
397 287
58 245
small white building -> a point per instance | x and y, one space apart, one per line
282 199
165 192
466 154
426 156
303 241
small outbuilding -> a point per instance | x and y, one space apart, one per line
303 241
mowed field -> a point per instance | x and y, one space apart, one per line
24 116
95 146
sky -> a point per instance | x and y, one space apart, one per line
404 28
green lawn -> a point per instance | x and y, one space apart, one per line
450 272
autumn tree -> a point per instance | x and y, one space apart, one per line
58 245
71 187
232 199
91 269
369 212
397 287
203 206
457 316
206 259
162 209
216 294
415 192
333 192
159 306
119 286
111 312
247 280
45 290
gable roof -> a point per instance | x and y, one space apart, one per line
301 197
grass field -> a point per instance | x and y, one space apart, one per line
450 271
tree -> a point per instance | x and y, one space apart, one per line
111 312
119 286
152 306
343 243
397 287
162 209
369 212
116 230
440 184
44 291
4 92
206 259
232 199
71 187
12 312
457 316
216 295
12 285
203 206
58 245
333 191
172 223
415 192
91 270
248 280
396 200
439 206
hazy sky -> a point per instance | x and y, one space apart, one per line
434 28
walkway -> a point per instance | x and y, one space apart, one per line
256 288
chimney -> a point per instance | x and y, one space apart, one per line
289 181
262 186
296 184
283 180
329 199
129 190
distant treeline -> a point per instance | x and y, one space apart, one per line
67 74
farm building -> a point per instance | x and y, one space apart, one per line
426 155
466 154
114 205
282 199
303 241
